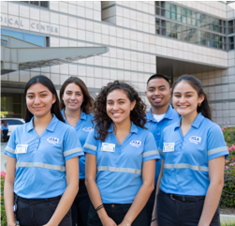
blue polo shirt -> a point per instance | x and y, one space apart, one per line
156 129
119 167
83 127
40 166
186 158
3 126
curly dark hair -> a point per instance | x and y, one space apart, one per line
101 118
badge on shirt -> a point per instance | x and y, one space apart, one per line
108 147
169 147
195 139
135 143
21 148
87 129
53 140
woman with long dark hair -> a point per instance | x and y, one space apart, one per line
120 158
76 103
42 161
193 154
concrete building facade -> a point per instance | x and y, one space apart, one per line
172 38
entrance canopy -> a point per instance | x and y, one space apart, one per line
20 55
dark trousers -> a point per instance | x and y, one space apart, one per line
178 213
37 212
117 213
81 206
150 205
5 132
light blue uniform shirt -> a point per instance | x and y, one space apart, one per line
40 167
83 127
156 129
186 158
3 126
119 167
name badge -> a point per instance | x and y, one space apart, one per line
108 147
169 147
21 148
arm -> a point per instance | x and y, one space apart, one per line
216 174
72 177
93 190
8 190
148 174
154 214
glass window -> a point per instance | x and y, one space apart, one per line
179 17
168 25
184 12
158 11
168 6
173 8
173 16
168 14
157 3
198 23
189 12
184 19
179 9
14 34
38 40
189 20
194 22
168 33
44 4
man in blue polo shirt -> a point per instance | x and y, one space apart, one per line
159 116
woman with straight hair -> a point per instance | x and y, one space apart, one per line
120 158
76 103
42 161
193 153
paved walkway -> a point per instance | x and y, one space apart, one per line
3 157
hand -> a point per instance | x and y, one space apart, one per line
124 224
154 223
109 222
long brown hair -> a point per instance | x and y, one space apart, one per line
88 100
204 108
101 118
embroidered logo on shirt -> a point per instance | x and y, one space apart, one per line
87 129
195 140
53 140
135 143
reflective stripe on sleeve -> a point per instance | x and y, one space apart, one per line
40 165
119 170
160 151
185 166
72 151
149 153
216 150
11 150
90 146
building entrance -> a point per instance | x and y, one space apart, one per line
12 105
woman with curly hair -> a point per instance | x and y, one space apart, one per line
120 158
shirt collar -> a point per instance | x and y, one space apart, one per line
134 128
82 117
196 123
50 127
168 115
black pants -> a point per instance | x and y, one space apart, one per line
5 132
81 206
150 205
37 212
177 213
117 213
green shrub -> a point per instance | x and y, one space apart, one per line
3 213
228 194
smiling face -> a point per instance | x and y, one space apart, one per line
186 100
158 92
118 107
73 97
39 100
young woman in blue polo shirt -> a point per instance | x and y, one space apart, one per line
120 159
193 154
42 161
76 103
